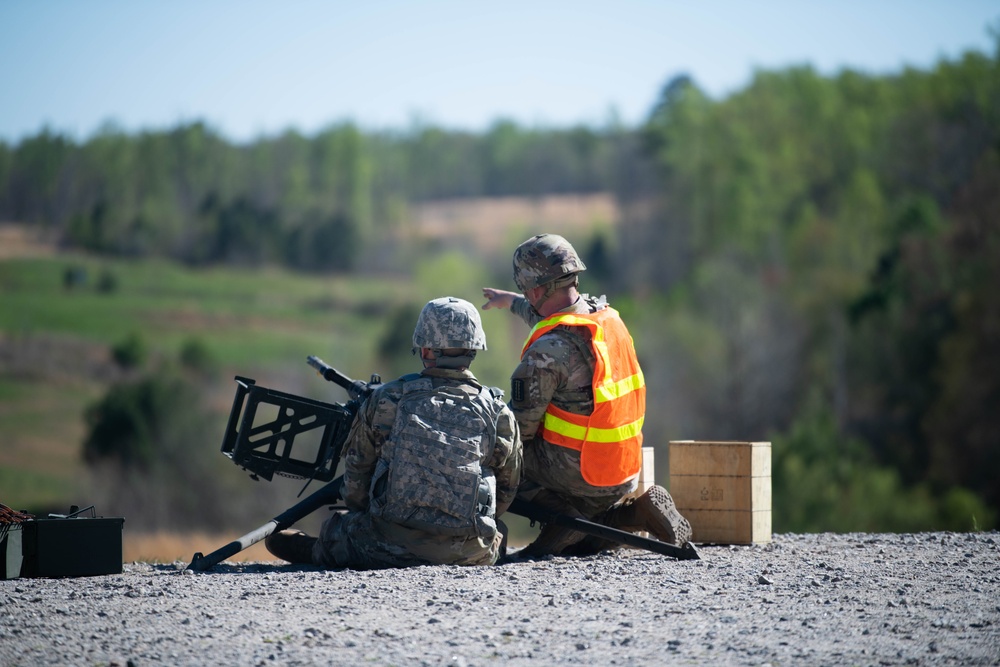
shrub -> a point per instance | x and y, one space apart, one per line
134 418
107 283
196 356
130 352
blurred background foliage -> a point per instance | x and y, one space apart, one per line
812 260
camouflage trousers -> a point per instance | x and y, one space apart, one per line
556 540
359 541
552 480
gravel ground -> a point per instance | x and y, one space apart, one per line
825 599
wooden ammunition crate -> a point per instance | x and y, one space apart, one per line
723 489
646 473
646 477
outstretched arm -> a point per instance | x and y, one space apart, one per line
498 298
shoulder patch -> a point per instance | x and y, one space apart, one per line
517 389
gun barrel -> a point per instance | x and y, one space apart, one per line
539 513
355 388
327 495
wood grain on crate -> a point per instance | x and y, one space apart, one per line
723 488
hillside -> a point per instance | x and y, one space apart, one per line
57 335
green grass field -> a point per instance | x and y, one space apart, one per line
240 314
56 340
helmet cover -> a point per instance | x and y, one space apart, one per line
449 322
544 258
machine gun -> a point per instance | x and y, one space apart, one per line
264 449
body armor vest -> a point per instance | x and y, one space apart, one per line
433 473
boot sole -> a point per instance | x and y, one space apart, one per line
676 529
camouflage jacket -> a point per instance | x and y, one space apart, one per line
374 424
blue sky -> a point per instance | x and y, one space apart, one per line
251 68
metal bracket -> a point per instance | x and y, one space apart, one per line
263 446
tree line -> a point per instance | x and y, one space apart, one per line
835 242
812 260
306 202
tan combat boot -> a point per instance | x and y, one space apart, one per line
653 511
291 545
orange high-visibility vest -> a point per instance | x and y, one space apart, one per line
610 438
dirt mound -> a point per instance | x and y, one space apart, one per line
23 241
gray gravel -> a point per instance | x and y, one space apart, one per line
827 599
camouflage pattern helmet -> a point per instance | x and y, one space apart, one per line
544 258
449 322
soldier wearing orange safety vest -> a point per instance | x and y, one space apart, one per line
579 397
609 439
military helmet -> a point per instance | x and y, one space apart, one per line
449 322
544 258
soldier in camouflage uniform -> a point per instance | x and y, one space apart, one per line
552 396
433 459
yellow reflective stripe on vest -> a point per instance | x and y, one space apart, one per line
597 337
601 346
567 317
583 433
606 389
570 320
615 390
